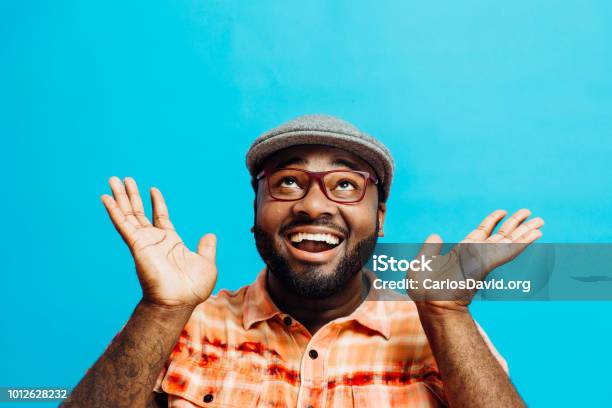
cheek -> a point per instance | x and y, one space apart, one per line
270 215
361 220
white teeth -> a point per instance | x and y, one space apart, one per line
301 236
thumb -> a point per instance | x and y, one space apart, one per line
431 246
207 247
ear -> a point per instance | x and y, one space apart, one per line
382 211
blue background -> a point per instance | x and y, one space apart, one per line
483 104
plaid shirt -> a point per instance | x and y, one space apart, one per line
239 350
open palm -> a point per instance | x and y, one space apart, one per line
474 258
169 273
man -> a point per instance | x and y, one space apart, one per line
309 332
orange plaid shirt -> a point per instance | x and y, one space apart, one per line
239 350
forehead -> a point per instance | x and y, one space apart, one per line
316 158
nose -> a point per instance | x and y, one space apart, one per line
314 204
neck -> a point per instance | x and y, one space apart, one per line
315 313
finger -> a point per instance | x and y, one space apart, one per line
532 224
122 200
529 236
161 218
207 247
431 246
486 227
123 226
506 250
510 225
136 201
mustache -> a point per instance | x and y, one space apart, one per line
317 222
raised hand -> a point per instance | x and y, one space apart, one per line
169 273
475 257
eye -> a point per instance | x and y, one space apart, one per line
288 182
345 185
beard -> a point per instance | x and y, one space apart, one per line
313 282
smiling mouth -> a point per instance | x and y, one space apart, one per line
314 242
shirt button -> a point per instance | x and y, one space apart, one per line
287 320
208 398
313 354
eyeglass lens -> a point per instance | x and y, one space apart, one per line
343 186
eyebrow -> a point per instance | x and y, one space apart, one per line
289 162
339 162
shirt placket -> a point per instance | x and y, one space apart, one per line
313 379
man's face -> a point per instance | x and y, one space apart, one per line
297 239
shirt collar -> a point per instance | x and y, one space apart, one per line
372 313
258 305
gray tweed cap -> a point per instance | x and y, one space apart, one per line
329 131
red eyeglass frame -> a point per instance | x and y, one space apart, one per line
318 176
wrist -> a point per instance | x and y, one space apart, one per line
442 314
166 312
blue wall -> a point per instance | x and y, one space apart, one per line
483 104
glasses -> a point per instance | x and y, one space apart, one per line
340 186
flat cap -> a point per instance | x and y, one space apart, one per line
328 131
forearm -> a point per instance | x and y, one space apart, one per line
124 376
472 376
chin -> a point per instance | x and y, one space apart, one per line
317 269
